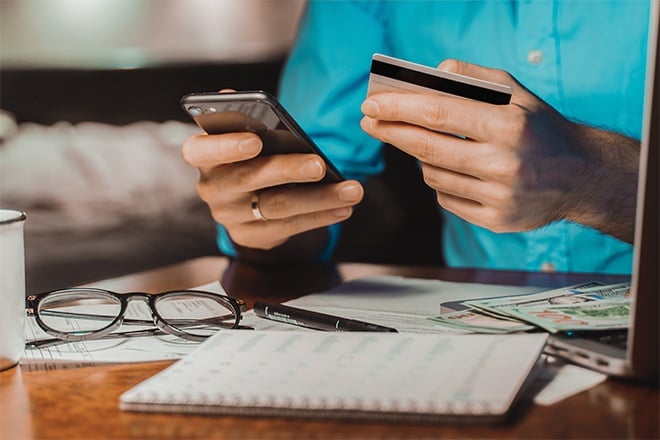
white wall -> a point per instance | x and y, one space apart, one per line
134 33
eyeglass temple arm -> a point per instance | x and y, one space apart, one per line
44 343
132 321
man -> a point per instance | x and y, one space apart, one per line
547 182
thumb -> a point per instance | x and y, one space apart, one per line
476 71
521 94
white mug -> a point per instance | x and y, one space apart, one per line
12 287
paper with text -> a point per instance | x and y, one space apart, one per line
108 350
407 304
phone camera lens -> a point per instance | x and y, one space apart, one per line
195 111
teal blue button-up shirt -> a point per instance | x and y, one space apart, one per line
584 58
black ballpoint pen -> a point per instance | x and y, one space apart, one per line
315 320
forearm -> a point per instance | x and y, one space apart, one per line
606 198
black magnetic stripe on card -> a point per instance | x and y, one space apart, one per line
440 84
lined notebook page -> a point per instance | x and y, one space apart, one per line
343 374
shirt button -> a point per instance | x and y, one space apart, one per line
535 56
548 267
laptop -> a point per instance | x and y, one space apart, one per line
634 353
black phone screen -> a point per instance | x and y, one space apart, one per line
256 112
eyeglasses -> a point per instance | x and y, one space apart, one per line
80 314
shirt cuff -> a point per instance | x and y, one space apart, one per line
227 246
224 242
333 237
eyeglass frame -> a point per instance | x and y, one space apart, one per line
32 306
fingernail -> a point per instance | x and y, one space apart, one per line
312 169
250 146
366 123
350 193
370 107
342 212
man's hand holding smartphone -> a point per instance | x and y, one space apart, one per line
260 174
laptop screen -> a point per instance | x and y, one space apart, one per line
643 354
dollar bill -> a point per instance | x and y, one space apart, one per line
475 321
578 293
603 315
586 306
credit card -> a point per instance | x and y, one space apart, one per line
390 74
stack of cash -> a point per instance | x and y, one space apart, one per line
475 321
587 306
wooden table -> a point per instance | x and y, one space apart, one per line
82 402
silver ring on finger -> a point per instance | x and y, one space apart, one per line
256 212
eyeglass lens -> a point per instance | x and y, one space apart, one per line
79 312
195 313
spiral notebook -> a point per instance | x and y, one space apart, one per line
391 376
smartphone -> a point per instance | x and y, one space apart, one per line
257 112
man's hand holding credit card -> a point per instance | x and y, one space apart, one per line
487 146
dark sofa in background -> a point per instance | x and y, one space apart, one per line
63 103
